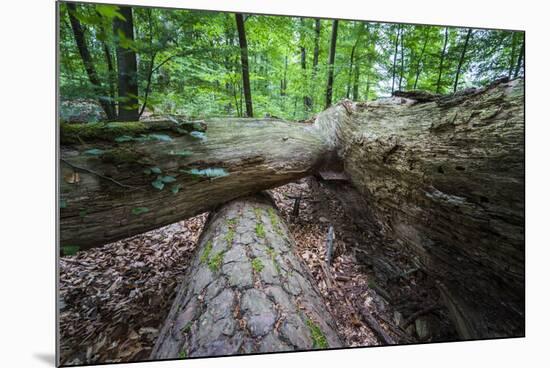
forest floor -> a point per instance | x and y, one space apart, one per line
114 299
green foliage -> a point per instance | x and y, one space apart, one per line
155 170
94 152
195 57
158 184
182 354
62 203
175 188
211 172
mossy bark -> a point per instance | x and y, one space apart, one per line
247 293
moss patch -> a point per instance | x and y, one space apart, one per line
319 338
206 252
216 262
121 155
257 265
182 354
258 212
260 231
76 133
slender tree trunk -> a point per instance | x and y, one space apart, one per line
307 99
246 291
520 58
402 59
355 94
316 45
128 104
332 54
462 57
244 64
395 59
80 40
420 61
350 70
441 58
111 76
512 56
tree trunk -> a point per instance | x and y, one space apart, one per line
128 104
103 183
402 69
316 47
442 176
332 54
520 58
244 64
80 40
445 179
420 63
395 59
246 291
462 56
307 99
441 59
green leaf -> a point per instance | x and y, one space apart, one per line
176 188
124 138
156 170
199 135
211 172
147 171
139 210
109 11
158 184
70 250
161 137
166 179
181 153
62 203
94 152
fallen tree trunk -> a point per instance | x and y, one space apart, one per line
445 179
122 179
246 291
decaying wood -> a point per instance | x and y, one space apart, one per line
375 326
247 291
113 197
445 180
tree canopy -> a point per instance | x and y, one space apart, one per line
141 60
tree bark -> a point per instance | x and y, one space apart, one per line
445 179
395 58
127 67
103 182
307 99
332 54
520 58
441 59
462 56
247 291
80 40
420 63
244 64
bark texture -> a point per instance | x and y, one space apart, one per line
106 185
246 291
445 178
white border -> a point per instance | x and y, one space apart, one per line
27 166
